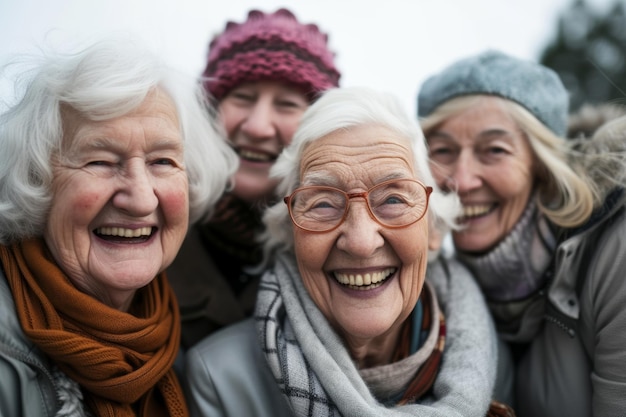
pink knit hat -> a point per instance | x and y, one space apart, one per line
273 47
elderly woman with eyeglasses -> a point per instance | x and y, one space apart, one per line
351 318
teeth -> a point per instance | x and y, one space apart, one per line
365 281
255 156
477 210
124 232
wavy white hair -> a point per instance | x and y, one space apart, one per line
105 80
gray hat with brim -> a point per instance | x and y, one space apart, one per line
535 87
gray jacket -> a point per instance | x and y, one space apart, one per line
213 379
29 384
576 365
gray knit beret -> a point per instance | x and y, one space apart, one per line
535 87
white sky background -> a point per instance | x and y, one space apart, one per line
391 45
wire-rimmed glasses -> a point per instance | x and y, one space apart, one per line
394 204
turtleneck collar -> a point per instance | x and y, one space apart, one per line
514 268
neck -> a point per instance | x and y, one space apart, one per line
368 353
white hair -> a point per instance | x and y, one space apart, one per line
344 108
105 80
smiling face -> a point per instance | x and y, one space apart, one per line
483 155
260 119
365 278
120 200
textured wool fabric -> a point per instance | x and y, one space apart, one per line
270 47
524 253
122 361
533 86
294 331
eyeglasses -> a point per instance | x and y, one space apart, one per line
393 204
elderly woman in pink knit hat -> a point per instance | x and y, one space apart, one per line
263 73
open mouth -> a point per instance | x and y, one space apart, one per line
477 210
256 156
125 235
364 282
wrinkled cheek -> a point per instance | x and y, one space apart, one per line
71 210
311 252
311 249
67 231
414 256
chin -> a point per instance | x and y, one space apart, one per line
252 195
467 243
251 188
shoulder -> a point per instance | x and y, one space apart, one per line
226 374
11 333
222 358
604 285
603 317
237 340
603 254
28 385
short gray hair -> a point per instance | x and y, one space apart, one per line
105 80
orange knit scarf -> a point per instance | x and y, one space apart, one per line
122 361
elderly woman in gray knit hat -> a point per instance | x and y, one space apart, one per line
352 319
544 221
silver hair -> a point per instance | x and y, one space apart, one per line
105 80
344 108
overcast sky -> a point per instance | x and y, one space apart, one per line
390 45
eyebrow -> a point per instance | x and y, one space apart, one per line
482 134
323 179
108 143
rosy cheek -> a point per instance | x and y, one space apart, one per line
175 202
79 198
86 202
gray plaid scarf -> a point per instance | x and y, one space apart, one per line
317 376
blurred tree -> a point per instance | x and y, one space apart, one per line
589 53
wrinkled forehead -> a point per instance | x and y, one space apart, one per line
364 151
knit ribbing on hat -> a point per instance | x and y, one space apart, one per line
533 86
273 47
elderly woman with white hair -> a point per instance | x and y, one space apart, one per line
351 318
102 163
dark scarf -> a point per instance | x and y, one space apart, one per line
122 361
233 229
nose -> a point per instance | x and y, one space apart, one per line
466 174
259 124
136 194
359 233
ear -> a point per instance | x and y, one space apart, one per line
435 239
